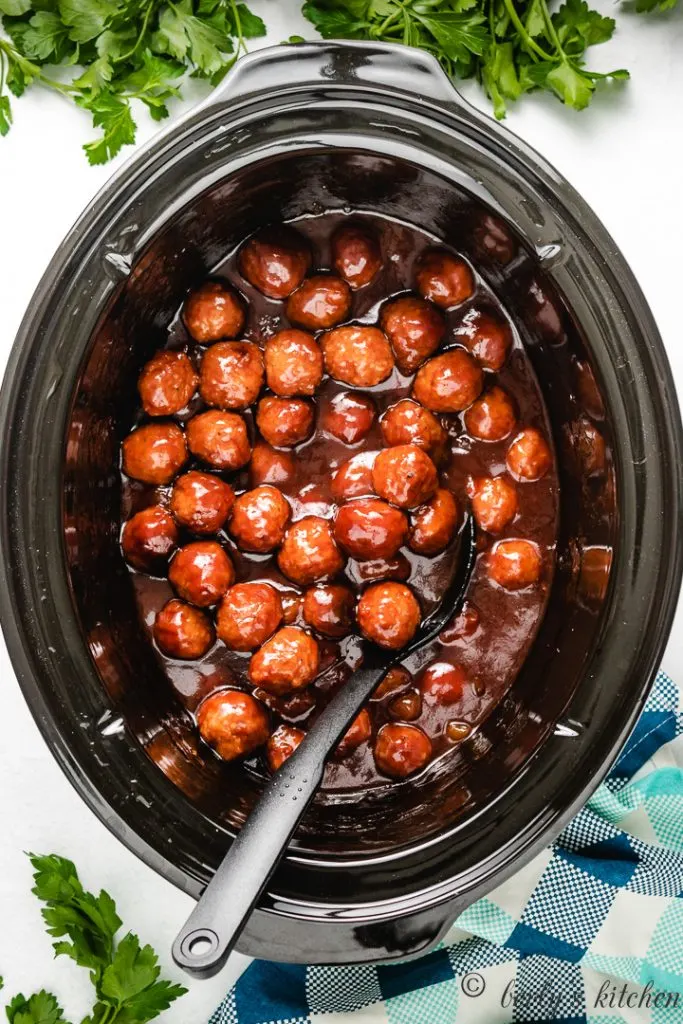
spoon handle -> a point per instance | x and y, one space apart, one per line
214 926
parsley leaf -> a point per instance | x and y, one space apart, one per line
41 1008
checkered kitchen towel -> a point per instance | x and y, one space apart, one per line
590 931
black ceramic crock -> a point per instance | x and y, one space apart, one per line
294 131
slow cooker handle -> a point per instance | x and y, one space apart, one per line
363 65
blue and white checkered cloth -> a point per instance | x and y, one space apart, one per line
590 932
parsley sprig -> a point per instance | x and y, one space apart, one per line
124 974
511 46
117 52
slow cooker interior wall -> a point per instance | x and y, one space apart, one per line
134 325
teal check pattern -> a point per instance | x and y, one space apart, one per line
589 932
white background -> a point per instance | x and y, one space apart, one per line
624 155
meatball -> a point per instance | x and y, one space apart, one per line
201 572
449 382
515 564
231 374
269 466
388 614
348 417
357 355
154 453
232 723
356 255
320 302
291 606
220 439
494 502
406 706
285 422
414 328
285 663
528 456
404 475
589 446
443 278
358 732
442 683
401 749
406 422
375 569
309 552
433 525
368 528
282 744
167 383
181 631
487 337
275 261
201 502
329 609
353 478
294 363
259 519
492 417
213 311
148 539
248 614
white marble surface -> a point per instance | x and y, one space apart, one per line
624 155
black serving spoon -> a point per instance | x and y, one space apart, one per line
214 926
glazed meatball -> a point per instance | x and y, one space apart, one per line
404 475
219 439
309 552
487 337
357 355
148 539
415 330
433 525
401 749
285 422
356 255
182 631
282 744
167 383
348 417
320 302
375 569
231 374
287 662
201 502
294 363
407 422
449 382
232 723
292 604
528 456
442 683
329 609
353 478
492 417
358 732
443 278
589 446
259 519
269 466
154 453
494 502
515 564
397 678
368 528
213 311
275 261
248 614
388 614
201 572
